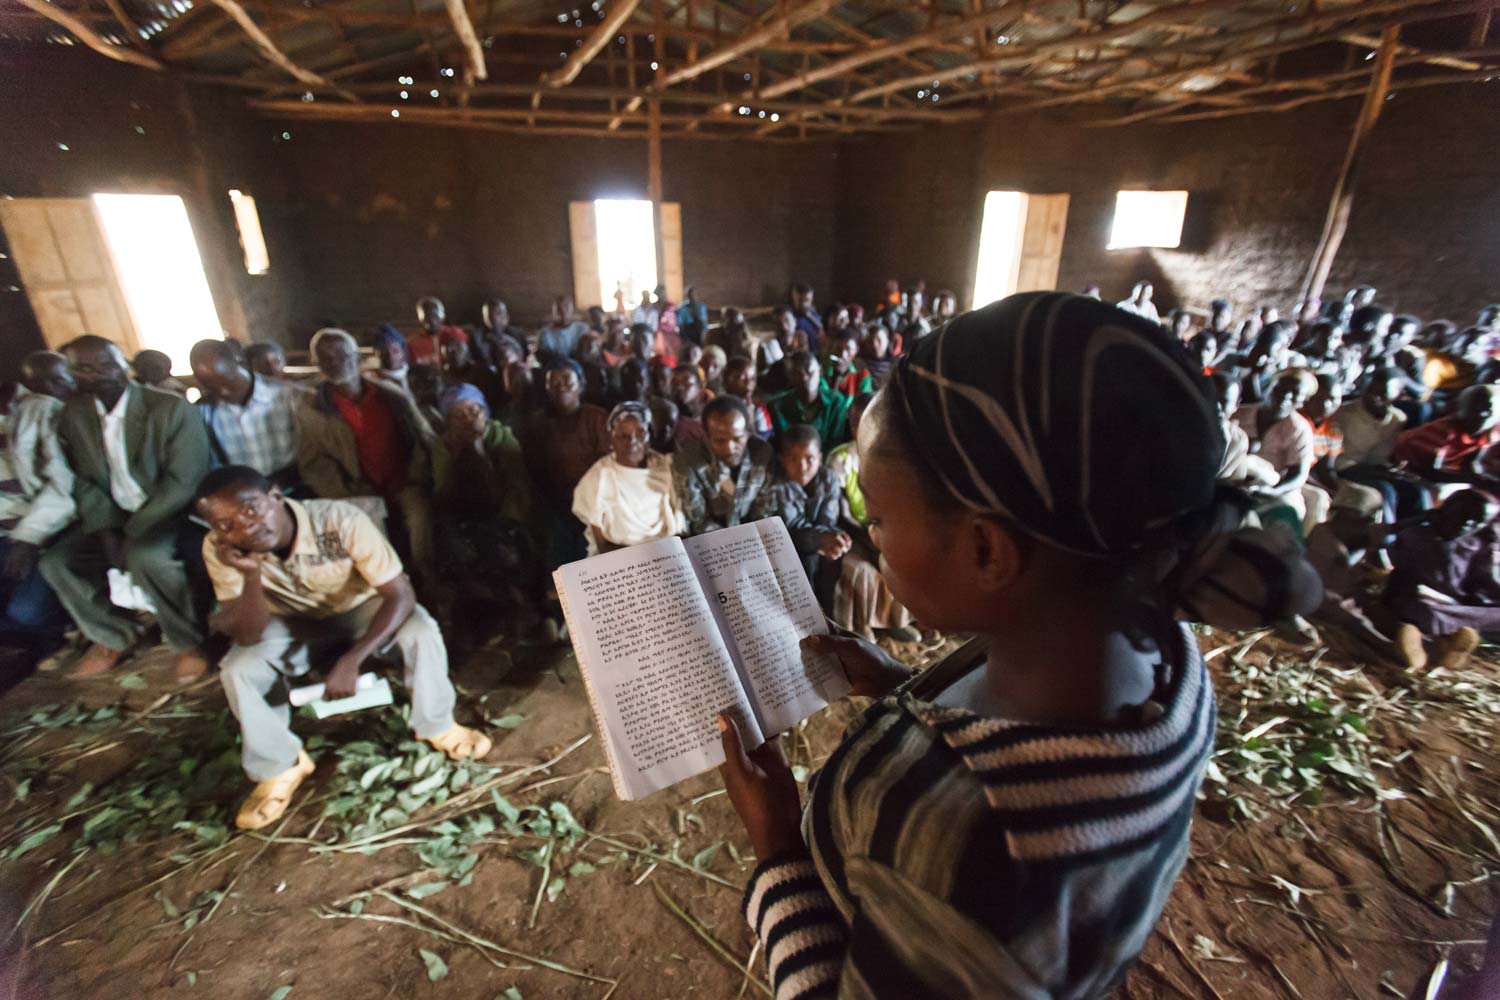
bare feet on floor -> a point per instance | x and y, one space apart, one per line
1453 650
189 666
99 660
1409 646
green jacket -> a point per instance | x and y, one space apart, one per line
830 414
509 477
169 455
327 457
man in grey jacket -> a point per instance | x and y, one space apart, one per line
33 618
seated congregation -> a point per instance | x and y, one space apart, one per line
422 487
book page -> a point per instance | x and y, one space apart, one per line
765 605
657 669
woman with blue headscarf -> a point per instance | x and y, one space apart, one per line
390 349
1041 473
482 507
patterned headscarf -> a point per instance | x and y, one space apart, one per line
461 393
633 409
1083 424
1088 428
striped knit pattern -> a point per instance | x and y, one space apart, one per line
957 855
803 938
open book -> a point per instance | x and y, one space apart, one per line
671 633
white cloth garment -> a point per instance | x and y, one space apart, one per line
1145 310
626 505
122 485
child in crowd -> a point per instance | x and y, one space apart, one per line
805 494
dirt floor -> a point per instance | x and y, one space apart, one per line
1344 846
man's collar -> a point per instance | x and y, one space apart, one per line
304 541
122 405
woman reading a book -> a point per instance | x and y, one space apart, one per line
626 497
1040 472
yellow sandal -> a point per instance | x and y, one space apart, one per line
462 743
271 797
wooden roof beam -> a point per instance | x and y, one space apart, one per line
777 27
88 36
1095 90
458 13
1371 42
272 53
604 33
948 29
1041 49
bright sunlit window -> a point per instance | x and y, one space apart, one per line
257 260
626 232
1148 219
156 258
999 246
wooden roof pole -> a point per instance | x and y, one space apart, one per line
271 52
89 37
653 143
772 30
464 29
1343 189
942 32
604 32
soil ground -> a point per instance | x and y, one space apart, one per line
1350 867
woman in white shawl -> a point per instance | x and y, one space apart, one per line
627 496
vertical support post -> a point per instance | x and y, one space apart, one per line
653 140
1342 201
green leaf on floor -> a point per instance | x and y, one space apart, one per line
132 682
507 721
281 993
425 890
436 967
35 840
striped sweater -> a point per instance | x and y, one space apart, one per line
952 855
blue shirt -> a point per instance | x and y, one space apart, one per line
559 341
812 325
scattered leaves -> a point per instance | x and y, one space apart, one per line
436 967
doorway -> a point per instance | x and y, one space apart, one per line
627 251
1020 244
122 266
614 249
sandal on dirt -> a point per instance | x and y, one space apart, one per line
271 797
462 743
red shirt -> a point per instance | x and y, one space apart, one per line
375 439
1422 446
421 348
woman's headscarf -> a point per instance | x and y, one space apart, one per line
1085 426
632 409
461 393
388 334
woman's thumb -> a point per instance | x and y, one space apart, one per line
734 750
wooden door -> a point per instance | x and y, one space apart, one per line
1041 242
65 265
584 236
671 249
